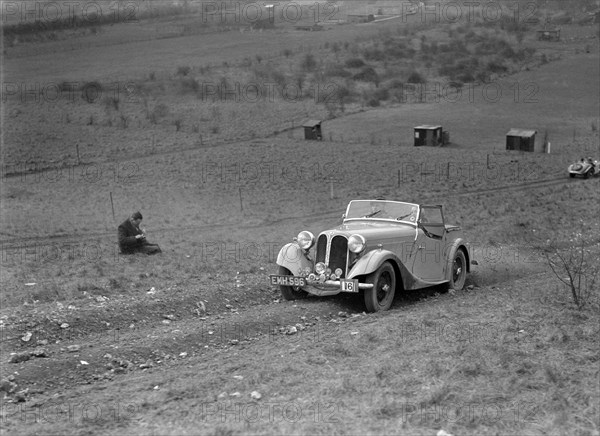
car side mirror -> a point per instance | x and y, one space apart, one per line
343 216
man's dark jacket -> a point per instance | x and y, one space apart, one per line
127 241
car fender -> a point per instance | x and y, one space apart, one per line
373 260
292 257
456 244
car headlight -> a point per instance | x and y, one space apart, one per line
305 240
356 243
320 268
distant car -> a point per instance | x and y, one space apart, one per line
381 247
584 168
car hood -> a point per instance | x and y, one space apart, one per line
373 229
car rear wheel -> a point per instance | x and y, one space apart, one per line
572 175
290 292
381 295
459 271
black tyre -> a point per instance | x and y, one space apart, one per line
587 174
459 271
572 175
290 292
381 295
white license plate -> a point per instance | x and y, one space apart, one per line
349 285
288 280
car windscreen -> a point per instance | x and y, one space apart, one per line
381 209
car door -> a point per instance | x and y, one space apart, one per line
428 253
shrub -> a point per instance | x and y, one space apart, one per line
367 74
465 77
381 94
342 93
374 55
160 111
576 268
415 77
309 62
396 84
189 84
278 77
183 71
337 71
482 76
124 120
496 66
299 79
430 48
508 52
111 103
355 63
373 102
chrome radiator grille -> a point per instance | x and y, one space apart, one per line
333 252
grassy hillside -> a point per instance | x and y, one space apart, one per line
132 117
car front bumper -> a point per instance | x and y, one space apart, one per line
326 287
331 287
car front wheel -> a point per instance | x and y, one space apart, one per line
381 295
459 271
290 292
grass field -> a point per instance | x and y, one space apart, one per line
178 343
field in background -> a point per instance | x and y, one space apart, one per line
223 184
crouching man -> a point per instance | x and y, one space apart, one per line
132 239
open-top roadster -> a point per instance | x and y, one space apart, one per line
584 168
381 247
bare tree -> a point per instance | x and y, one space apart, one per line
575 266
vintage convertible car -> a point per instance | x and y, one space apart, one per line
381 247
584 168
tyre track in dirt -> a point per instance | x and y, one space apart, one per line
75 237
